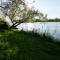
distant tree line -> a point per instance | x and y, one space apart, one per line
54 20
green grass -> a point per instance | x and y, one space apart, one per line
20 45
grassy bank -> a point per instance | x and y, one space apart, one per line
15 45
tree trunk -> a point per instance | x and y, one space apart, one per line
10 23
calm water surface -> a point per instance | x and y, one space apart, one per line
52 28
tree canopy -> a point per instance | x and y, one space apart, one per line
18 12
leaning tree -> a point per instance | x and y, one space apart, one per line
16 12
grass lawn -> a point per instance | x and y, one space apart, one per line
20 45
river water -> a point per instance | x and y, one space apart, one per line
52 28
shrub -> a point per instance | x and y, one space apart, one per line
3 24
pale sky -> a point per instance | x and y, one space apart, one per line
4 0
49 7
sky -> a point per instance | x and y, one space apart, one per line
4 0
49 7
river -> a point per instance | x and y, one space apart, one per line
52 28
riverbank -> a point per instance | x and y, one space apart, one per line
52 28
20 45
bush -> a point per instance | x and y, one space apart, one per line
3 24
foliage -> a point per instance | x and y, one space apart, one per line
20 45
18 12
54 20
3 24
